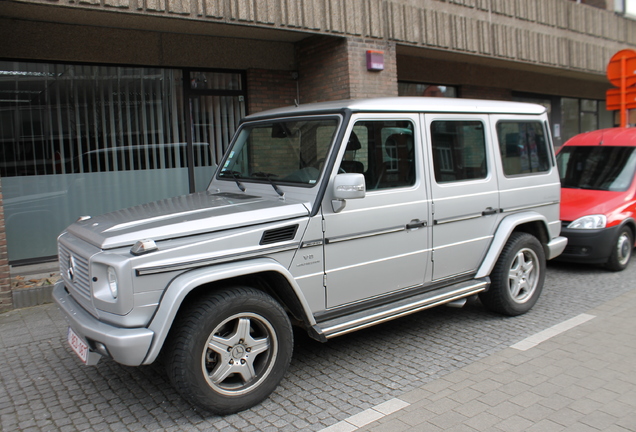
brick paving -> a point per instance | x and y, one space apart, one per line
582 378
443 369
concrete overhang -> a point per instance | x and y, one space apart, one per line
137 20
450 56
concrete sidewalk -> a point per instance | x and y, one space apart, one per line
577 376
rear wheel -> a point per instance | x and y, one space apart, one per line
622 250
518 276
229 351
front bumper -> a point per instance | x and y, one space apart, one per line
589 246
128 346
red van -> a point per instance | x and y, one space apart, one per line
598 204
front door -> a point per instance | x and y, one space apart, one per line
379 244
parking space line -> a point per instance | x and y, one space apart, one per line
367 416
546 334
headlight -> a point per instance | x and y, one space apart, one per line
112 281
589 222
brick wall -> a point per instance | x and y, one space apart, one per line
364 83
323 69
6 298
269 89
336 68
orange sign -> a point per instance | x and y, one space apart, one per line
621 71
615 68
613 99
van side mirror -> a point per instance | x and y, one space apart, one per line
347 186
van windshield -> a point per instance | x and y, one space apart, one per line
597 168
291 151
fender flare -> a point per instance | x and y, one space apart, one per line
184 284
631 223
505 228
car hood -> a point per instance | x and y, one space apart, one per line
180 216
576 203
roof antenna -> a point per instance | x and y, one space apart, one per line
296 102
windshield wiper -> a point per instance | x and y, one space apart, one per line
235 175
269 176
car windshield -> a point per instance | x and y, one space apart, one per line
291 151
596 167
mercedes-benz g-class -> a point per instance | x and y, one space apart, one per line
331 217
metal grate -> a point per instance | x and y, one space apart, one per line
279 235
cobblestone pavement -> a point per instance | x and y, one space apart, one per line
43 386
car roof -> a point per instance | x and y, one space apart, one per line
406 104
606 137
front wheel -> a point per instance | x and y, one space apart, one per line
518 276
622 251
230 350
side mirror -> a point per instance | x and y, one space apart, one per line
347 186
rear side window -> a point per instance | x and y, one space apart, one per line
523 147
459 150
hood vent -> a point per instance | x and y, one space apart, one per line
279 235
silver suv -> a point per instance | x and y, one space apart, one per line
331 217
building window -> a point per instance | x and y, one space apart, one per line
626 7
88 139
430 90
583 115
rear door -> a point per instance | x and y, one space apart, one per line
379 244
464 191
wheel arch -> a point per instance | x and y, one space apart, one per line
631 224
529 222
263 273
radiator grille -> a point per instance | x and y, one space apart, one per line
79 281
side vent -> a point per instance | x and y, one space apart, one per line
279 235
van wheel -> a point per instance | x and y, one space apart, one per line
229 350
622 251
518 276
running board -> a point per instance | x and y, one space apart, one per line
367 318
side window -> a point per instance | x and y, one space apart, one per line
383 151
523 147
459 150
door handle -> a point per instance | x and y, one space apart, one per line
415 224
489 211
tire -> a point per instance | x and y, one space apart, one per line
229 350
622 251
517 278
